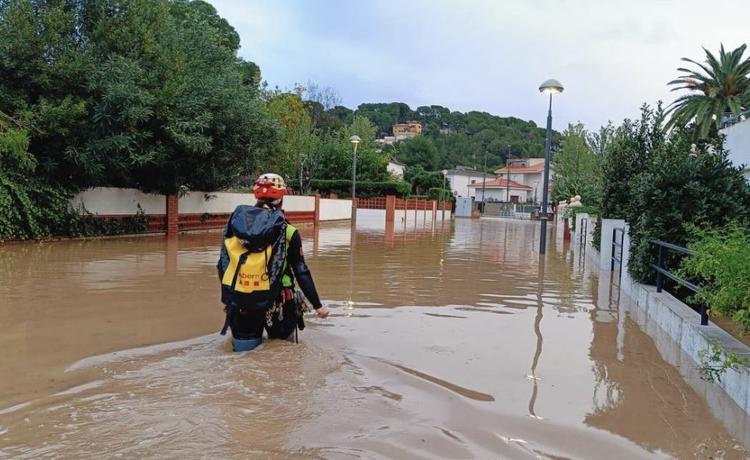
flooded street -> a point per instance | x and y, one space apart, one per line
446 342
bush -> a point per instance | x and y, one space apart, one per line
659 181
679 189
365 189
722 263
31 208
440 194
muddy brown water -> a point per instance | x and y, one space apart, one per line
444 342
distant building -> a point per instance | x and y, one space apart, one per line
387 140
737 142
396 168
460 179
502 190
407 130
528 172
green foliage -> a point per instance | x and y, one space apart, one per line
343 188
720 87
678 189
141 93
576 168
440 195
715 362
335 154
720 261
459 138
419 151
422 181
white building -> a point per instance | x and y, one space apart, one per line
502 190
462 177
528 172
737 142
396 168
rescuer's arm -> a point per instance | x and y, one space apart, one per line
296 260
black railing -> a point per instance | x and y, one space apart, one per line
583 230
661 272
617 243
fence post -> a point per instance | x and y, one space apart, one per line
317 209
390 208
704 315
660 264
173 216
612 256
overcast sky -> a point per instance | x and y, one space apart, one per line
488 55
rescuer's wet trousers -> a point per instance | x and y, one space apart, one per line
247 326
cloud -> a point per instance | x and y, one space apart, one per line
484 54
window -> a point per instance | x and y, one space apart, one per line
473 181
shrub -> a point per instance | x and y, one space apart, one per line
440 194
721 261
365 189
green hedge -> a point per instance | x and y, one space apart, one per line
32 209
435 194
720 263
365 189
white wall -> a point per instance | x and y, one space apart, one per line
738 144
335 209
212 203
459 183
118 201
125 201
498 194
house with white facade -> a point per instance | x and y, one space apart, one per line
460 178
737 142
502 190
528 172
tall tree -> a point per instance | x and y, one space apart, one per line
576 168
719 88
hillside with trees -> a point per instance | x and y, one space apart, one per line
452 138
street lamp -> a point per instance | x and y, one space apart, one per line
442 192
484 179
355 140
550 87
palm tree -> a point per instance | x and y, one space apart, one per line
720 89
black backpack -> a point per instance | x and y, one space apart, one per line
252 258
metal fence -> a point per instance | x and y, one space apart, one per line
661 272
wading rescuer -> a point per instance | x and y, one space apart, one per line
260 259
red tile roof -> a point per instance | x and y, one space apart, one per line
502 183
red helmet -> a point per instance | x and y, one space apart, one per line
270 187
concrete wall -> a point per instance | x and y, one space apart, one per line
335 209
118 201
212 203
125 201
605 250
659 313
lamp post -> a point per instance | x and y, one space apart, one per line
442 192
484 179
355 140
550 87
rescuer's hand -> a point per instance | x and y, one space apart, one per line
322 312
